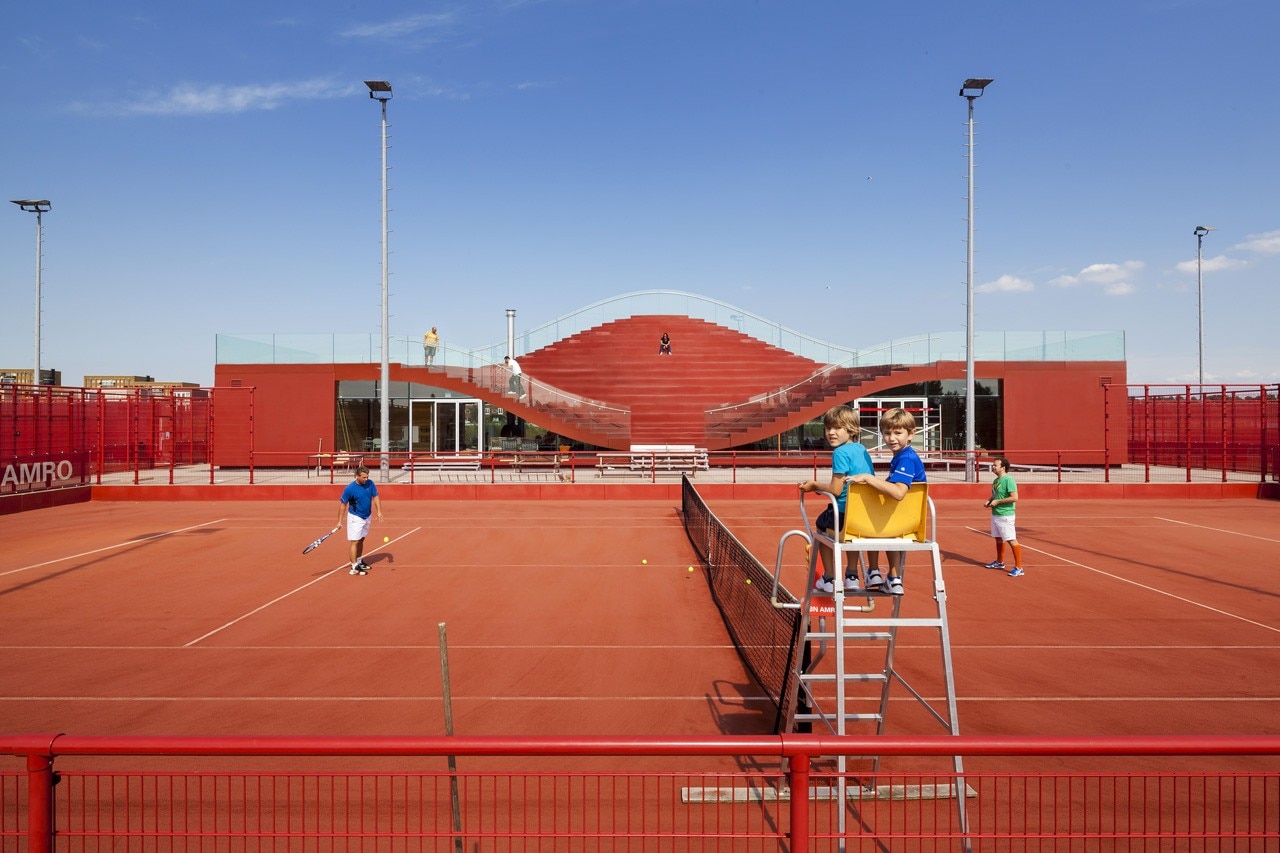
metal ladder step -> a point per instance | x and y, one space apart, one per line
830 677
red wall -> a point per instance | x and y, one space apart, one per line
1053 406
1048 406
293 410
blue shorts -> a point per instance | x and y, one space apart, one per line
828 521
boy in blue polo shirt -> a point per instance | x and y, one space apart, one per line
848 459
897 427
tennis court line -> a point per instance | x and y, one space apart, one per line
1234 700
112 547
1149 588
1215 529
609 647
280 598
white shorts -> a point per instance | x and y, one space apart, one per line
1002 528
357 527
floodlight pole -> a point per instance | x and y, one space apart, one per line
380 91
972 89
39 207
1201 230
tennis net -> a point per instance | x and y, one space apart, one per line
765 636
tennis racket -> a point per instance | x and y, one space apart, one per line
316 544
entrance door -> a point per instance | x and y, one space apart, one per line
445 426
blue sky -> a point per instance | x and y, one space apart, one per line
215 168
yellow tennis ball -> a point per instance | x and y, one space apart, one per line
386 539
691 568
644 562
748 581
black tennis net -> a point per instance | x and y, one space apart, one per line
765 636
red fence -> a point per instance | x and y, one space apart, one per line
54 437
716 793
1215 427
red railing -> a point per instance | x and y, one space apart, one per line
713 793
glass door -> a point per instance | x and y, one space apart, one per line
445 426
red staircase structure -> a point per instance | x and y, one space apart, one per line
609 386
712 367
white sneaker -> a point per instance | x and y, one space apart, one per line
875 580
895 586
851 583
824 585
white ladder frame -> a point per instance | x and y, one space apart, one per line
856 616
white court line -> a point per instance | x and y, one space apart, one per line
1144 586
738 700
505 647
609 647
701 698
112 547
280 598
1216 529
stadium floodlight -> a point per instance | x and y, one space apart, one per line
1201 230
972 89
39 207
380 91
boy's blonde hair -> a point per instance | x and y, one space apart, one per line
897 419
841 416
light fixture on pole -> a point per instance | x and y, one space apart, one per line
39 207
380 91
1201 230
971 89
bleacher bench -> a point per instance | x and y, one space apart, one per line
653 459
443 463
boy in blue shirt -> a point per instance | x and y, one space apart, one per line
897 427
848 459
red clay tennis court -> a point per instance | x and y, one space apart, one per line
570 618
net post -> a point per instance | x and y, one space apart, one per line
447 695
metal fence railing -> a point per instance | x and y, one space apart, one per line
53 438
77 793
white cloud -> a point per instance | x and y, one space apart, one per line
1268 243
1006 284
1114 278
189 99
1218 264
411 25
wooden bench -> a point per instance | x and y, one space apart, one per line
653 459
458 462
341 459
532 459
